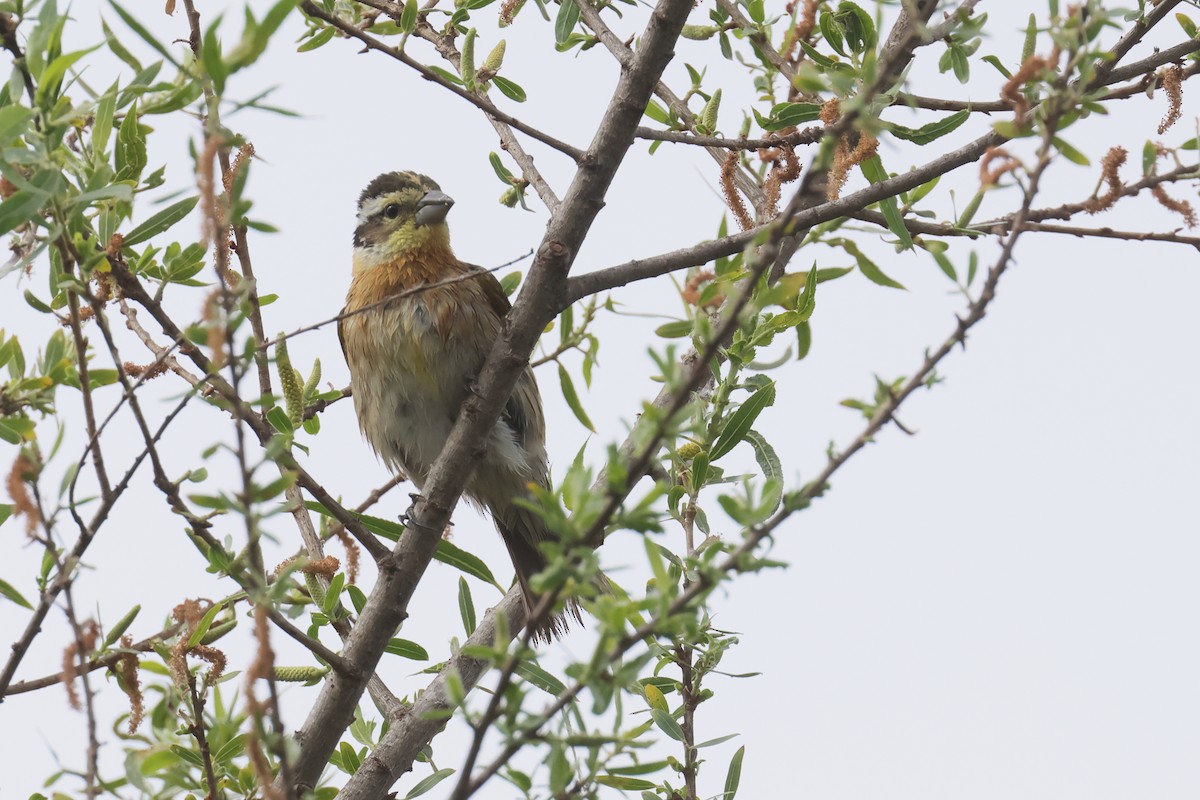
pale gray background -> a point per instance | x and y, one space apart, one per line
1002 606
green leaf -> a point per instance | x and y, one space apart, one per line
408 18
406 649
131 147
510 89
510 282
13 121
675 330
739 423
466 606
960 65
234 747
1070 153
874 274
667 724
1188 26
540 677
205 623
52 77
831 32
428 783
657 113
211 57
333 595
6 510
1149 157
349 758
147 37
502 172
280 421
803 340
734 776
321 38
161 221
995 62
460 559
7 591
785 115
808 300
874 172
931 131
18 209
102 127
625 784
768 461
565 21
572 397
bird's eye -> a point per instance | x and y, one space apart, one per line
392 211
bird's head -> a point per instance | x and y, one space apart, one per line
401 213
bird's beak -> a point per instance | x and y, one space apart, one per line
433 208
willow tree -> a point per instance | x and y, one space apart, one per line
152 322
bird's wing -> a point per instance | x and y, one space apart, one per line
523 412
341 326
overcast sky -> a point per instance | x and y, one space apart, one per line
1003 605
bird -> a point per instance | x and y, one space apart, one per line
413 361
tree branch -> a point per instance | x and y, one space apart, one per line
537 304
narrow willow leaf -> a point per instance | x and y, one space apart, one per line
205 623
873 171
160 222
428 783
7 591
1070 153
540 678
667 724
874 274
931 131
52 77
565 21
510 89
625 784
13 121
408 18
734 776
466 606
803 340
1149 156
768 462
739 423
406 649
323 37
147 37
572 398
460 559
995 62
808 300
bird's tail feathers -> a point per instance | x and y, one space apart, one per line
522 530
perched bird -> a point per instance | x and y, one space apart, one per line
413 361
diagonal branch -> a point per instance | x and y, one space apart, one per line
537 304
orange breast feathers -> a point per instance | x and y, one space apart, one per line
458 312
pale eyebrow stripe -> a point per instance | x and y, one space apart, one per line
375 205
